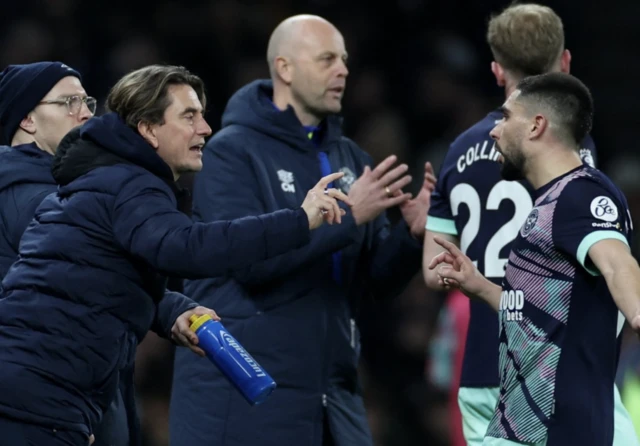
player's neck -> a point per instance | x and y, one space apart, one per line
550 165
508 90
510 85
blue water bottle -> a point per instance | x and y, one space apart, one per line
232 359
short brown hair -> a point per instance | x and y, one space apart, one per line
526 39
142 95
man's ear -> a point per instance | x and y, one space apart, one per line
284 69
148 132
538 126
498 72
28 124
565 62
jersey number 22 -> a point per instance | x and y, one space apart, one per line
503 190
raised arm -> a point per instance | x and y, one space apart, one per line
147 224
614 261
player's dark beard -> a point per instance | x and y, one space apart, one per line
513 166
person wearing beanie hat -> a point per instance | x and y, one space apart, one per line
39 103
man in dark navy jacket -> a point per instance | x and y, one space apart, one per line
297 312
39 104
89 280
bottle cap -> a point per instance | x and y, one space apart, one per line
197 321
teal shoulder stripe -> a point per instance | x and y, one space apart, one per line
592 239
441 225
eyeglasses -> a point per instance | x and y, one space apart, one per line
74 103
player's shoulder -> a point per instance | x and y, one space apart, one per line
592 194
472 146
478 132
588 184
592 178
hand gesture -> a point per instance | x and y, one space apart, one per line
379 189
456 270
181 332
415 211
320 203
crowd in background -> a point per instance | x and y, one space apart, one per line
419 74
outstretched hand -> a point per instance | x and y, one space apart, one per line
415 211
456 270
378 190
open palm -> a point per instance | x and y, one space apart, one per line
415 211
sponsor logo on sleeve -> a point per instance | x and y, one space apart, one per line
607 225
603 208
